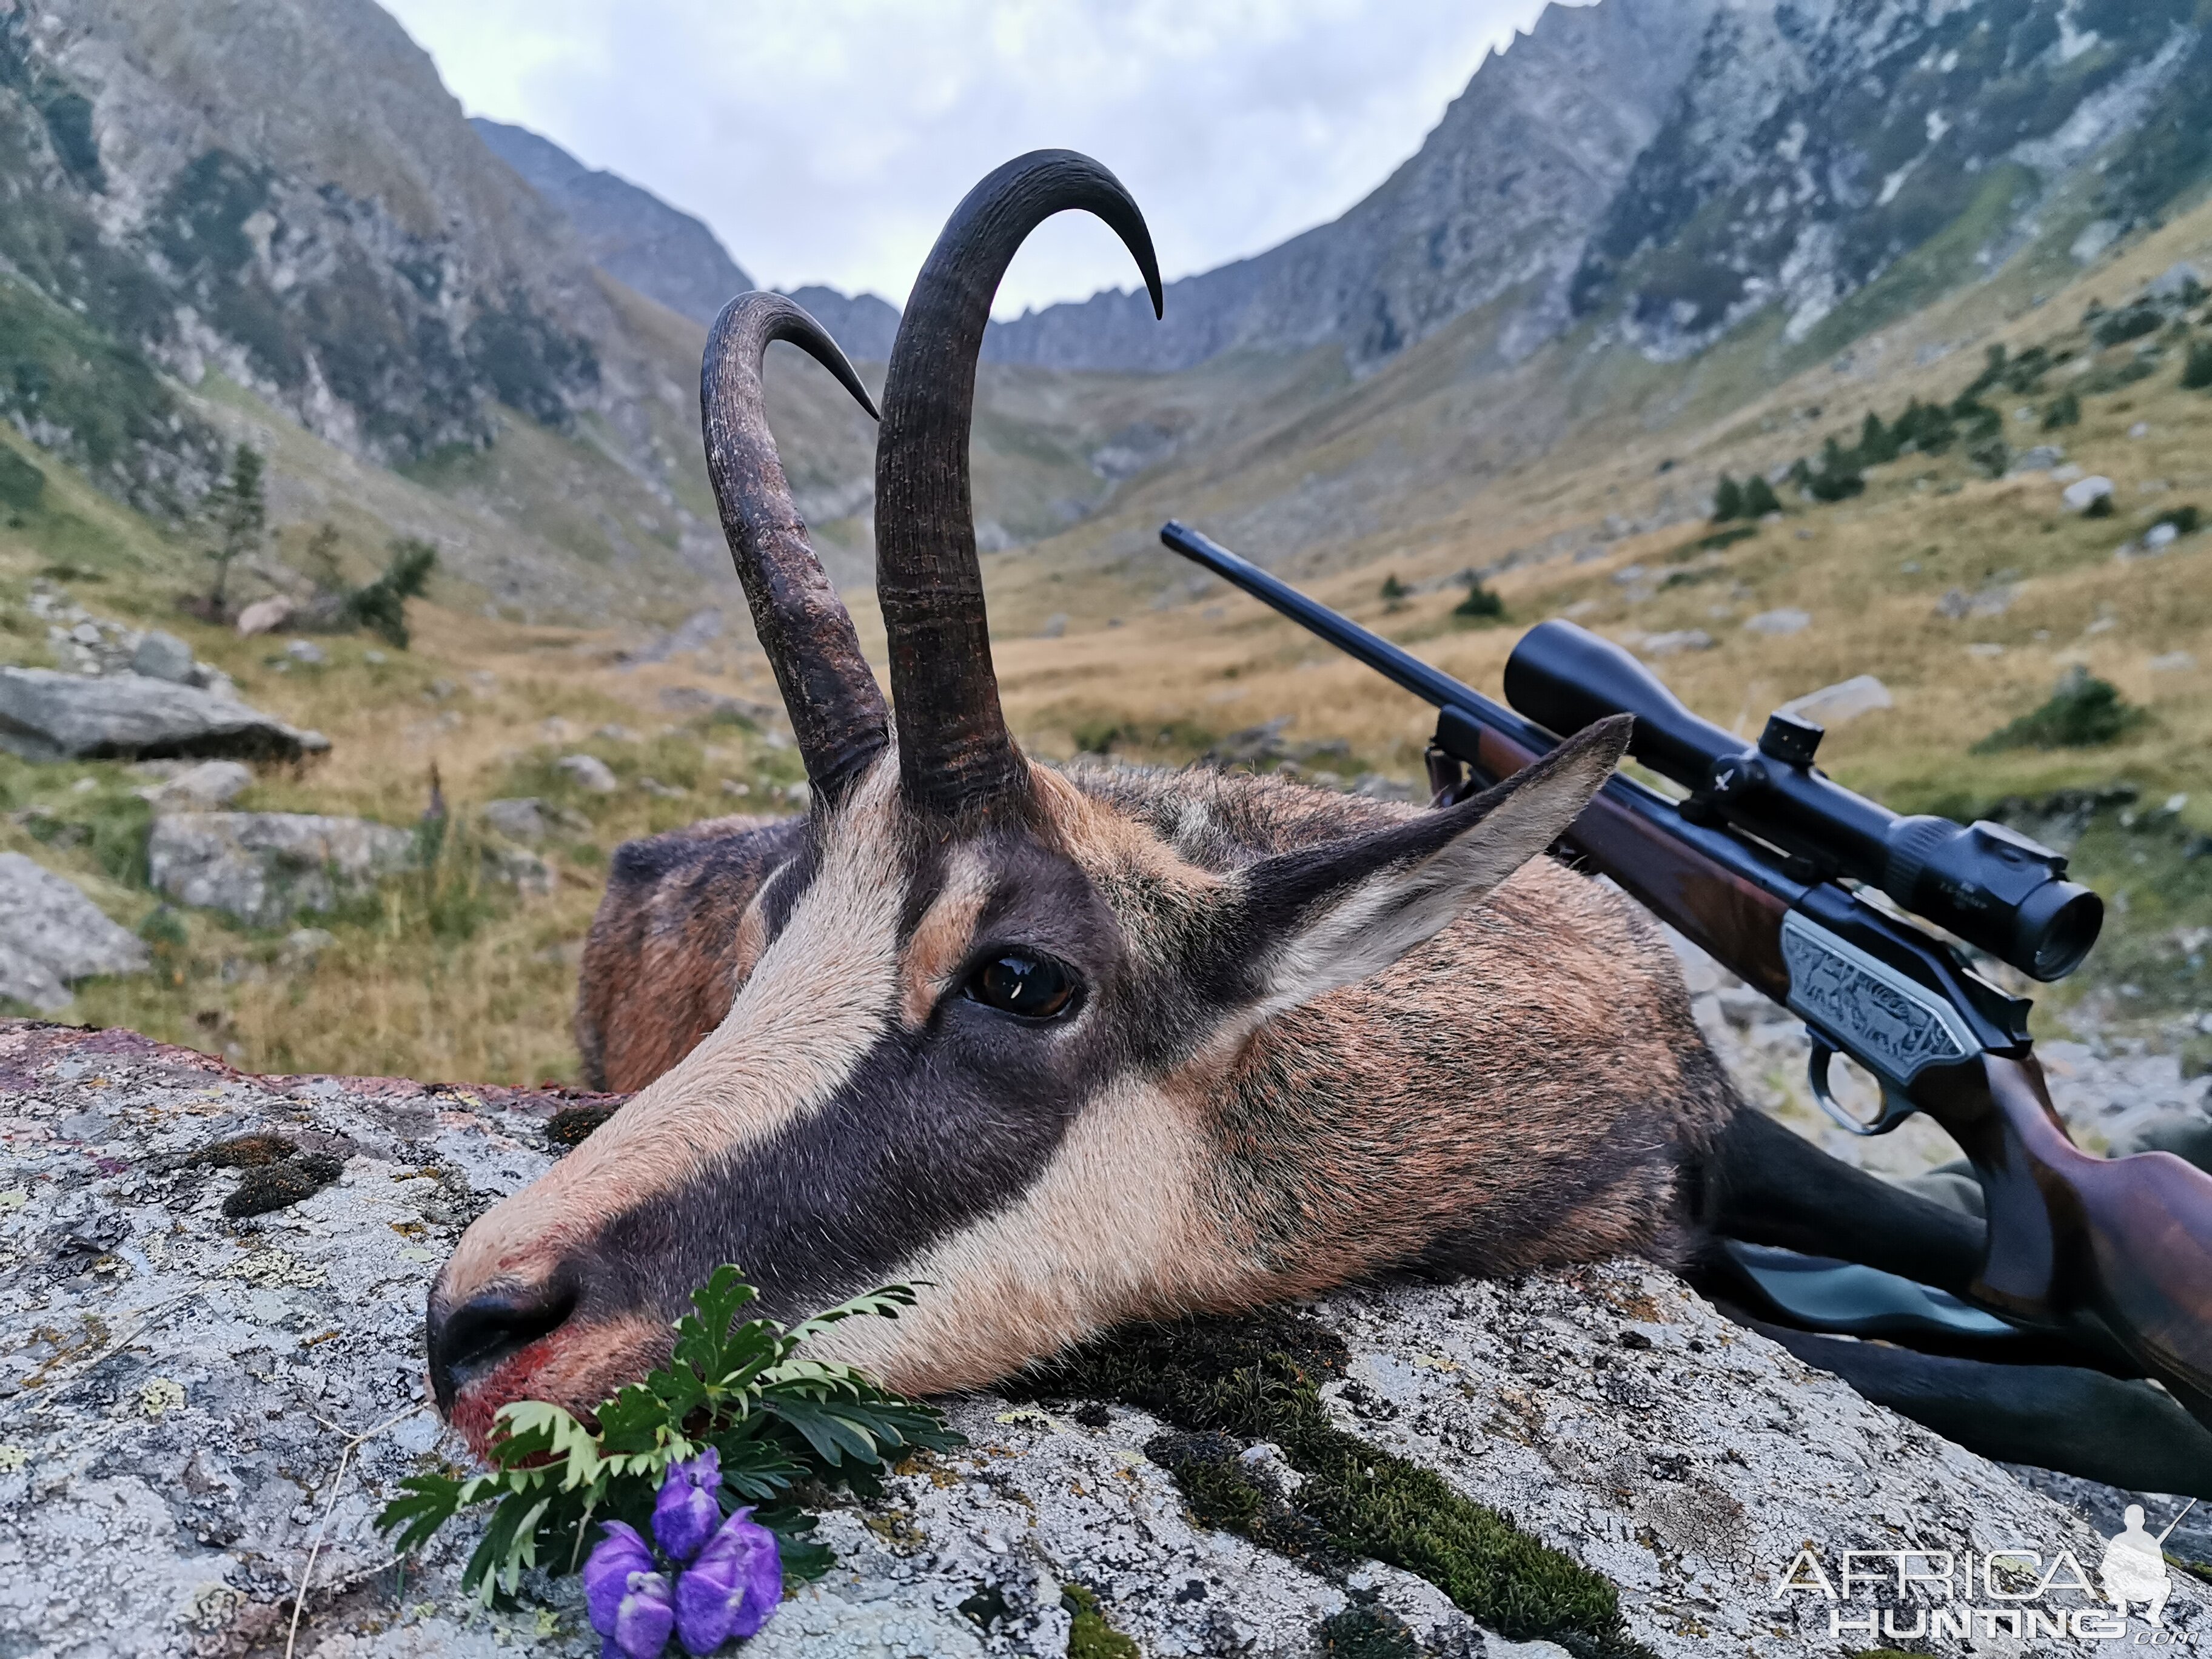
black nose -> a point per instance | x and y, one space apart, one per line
471 1339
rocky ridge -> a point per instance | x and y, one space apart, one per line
663 252
203 1353
285 193
1670 168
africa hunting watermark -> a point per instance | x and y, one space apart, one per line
1899 1595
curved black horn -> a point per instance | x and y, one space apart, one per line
955 752
837 709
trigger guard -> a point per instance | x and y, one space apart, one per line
1895 1108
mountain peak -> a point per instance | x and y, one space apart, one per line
663 252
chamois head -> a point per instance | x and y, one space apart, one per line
985 1017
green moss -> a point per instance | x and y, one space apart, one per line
1089 1635
1367 1632
1224 1383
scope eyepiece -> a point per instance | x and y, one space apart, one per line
1992 887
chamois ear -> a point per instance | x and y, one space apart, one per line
1333 915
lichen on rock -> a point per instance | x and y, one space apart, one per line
176 1393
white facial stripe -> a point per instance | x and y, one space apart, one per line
823 991
1114 1229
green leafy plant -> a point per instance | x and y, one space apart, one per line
776 1418
1481 604
2082 712
2197 368
1727 500
382 604
1758 498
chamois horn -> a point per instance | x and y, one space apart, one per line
837 709
955 752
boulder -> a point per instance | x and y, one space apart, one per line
525 871
265 867
48 715
1667 644
2084 493
200 789
589 772
519 817
2178 280
160 656
1778 624
51 935
264 615
1846 700
172 1461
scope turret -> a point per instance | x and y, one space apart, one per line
1989 885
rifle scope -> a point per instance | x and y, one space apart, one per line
1993 887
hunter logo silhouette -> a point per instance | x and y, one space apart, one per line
2134 1565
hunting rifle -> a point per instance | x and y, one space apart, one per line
1752 865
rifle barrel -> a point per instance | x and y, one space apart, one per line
1430 684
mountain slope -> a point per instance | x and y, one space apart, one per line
1676 167
1500 197
1814 149
289 196
630 233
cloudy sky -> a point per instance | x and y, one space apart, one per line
826 141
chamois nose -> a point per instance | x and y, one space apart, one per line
468 1341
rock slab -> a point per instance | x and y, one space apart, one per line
173 1413
51 935
47 715
265 867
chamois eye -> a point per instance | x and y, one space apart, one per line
1035 987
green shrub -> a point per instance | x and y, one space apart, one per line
1727 500
382 604
2129 323
2197 370
1991 456
1878 445
1393 589
22 486
1838 486
2185 519
2101 508
1481 604
2083 712
2065 409
1720 538
1758 498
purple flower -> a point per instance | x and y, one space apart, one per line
643 1620
607 1572
733 1588
687 1512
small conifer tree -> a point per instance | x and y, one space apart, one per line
1727 500
238 510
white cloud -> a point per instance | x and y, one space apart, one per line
827 141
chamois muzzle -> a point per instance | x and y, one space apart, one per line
956 756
